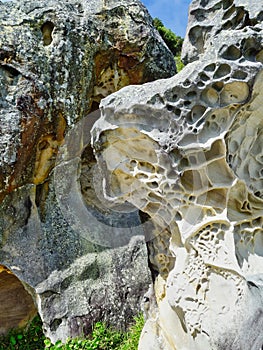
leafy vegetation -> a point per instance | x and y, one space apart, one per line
26 339
173 41
179 63
102 338
131 340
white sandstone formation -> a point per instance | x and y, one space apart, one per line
188 152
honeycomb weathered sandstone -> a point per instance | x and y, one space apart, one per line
188 152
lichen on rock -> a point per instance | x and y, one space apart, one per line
57 60
187 151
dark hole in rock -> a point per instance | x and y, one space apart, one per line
55 324
227 4
12 71
231 53
47 29
223 70
210 68
239 75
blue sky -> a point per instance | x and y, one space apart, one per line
173 13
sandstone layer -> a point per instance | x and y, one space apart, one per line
57 60
187 151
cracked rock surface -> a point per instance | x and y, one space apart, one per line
58 59
187 151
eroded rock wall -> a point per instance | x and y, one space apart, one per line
57 60
187 151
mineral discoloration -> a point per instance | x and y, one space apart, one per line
61 60
57 60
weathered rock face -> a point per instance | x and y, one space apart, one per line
187 151
57 60
208 19
107 286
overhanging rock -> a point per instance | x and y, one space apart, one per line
187 151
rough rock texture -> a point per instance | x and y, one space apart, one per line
57 60
187 151
107 286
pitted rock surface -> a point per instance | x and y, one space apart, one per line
57 60
187 151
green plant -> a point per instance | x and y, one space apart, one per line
102 338
173 41
31 338
132 337
179 63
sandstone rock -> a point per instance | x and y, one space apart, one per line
16 304
57 60
187 151
207 19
